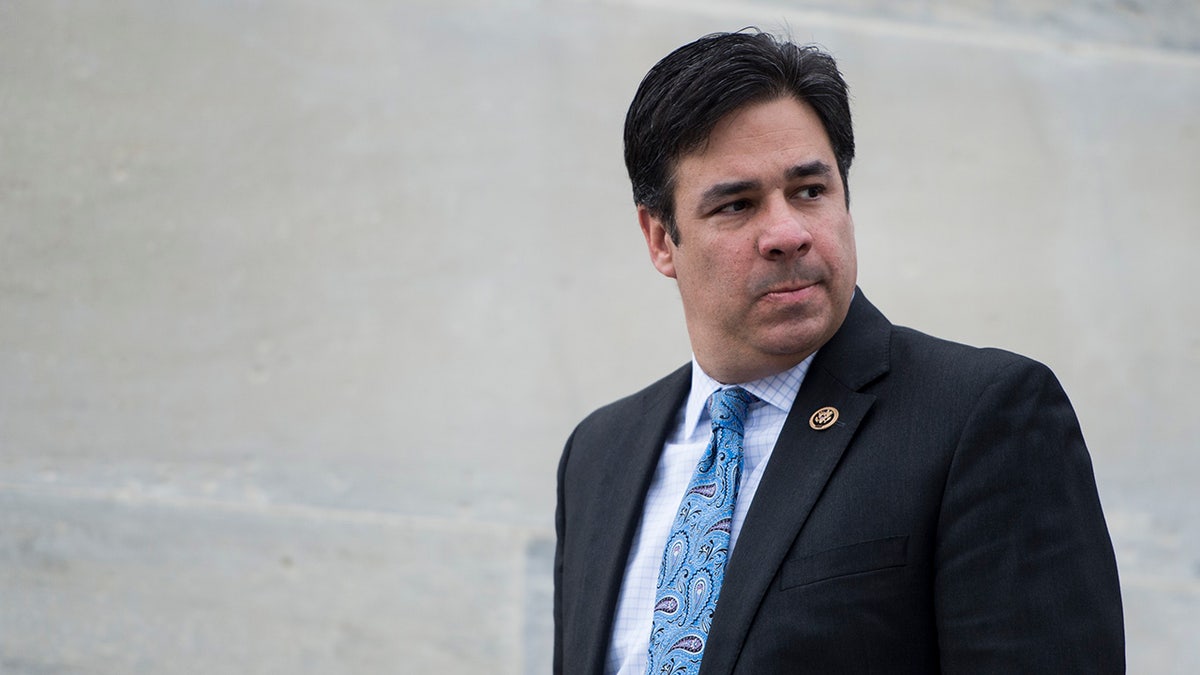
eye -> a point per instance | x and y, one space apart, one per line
734 207
810 192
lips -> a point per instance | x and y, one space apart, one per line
793 295
788 289
791 289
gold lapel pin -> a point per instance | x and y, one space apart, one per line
823 418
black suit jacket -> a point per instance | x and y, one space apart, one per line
947 522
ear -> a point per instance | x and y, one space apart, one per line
662 249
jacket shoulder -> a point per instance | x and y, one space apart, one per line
928 353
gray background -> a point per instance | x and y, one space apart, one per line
299 300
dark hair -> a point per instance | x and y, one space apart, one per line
687 93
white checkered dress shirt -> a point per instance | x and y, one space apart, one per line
627 652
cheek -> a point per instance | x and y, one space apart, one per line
839 245
723 267
849 250
845 252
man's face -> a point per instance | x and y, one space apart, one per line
765 262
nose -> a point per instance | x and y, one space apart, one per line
785 233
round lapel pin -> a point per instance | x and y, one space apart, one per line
823 418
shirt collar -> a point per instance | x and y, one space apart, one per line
778 390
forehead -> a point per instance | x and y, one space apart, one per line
756 140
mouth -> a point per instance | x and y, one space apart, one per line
790 290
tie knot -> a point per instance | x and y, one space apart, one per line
728 408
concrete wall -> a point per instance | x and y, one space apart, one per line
299 300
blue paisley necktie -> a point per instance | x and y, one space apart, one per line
694 561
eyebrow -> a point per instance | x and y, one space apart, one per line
720 191
813 168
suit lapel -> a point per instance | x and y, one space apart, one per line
799 468
635 453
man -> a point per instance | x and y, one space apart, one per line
818 491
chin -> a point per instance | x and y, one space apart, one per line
798 333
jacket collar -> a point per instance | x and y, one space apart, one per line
801 464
